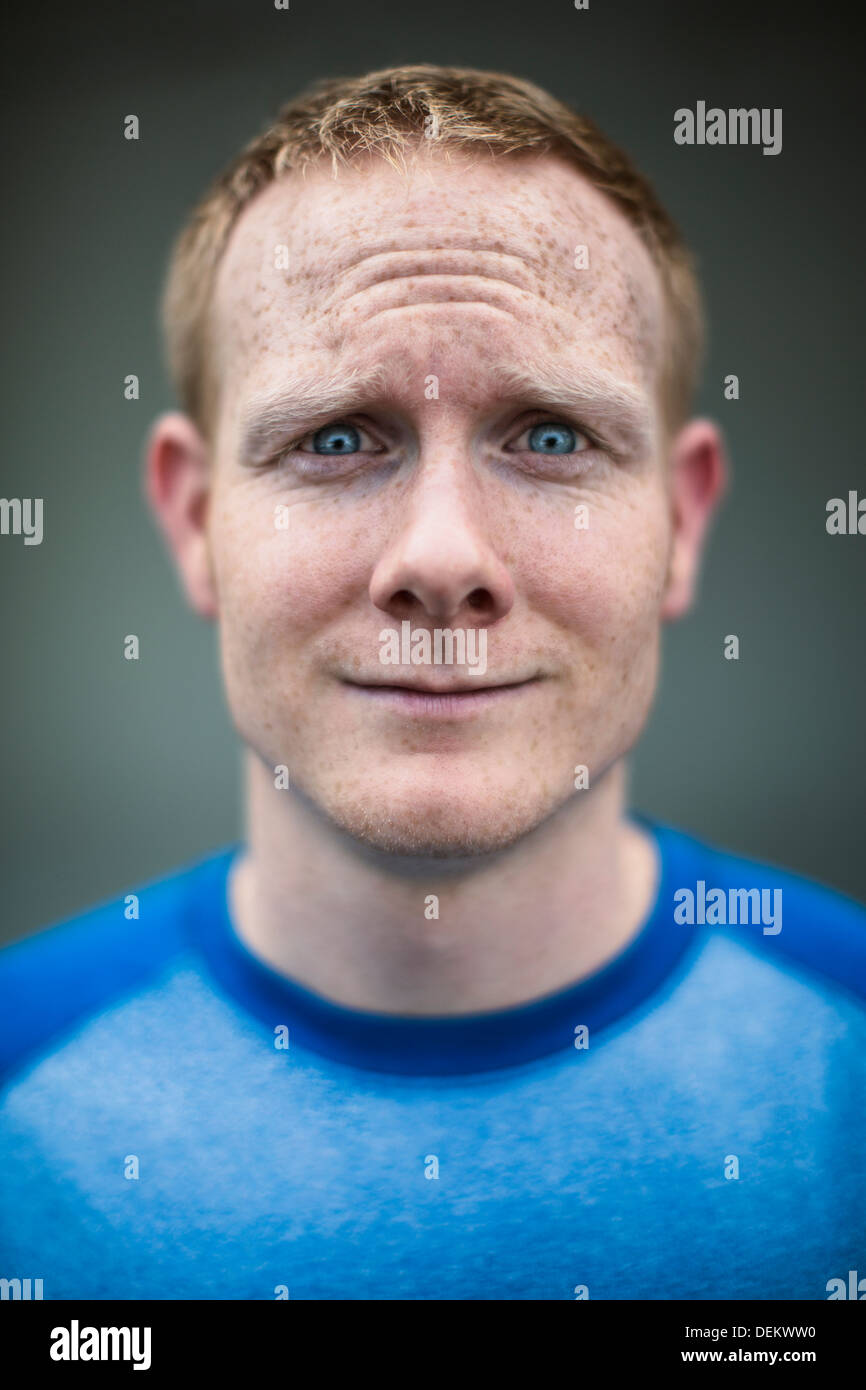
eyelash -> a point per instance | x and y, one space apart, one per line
593 443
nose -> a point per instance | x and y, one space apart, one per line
442 564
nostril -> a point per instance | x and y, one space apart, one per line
480 598
403 603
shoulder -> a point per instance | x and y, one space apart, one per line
792 921
54 980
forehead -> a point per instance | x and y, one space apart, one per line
458 265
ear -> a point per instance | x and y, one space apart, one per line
698 481
177 486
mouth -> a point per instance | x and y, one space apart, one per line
449 700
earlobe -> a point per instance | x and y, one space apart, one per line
699 475
177 485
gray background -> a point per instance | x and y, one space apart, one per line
117 771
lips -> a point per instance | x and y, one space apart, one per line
464 687
427 702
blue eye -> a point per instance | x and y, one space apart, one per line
551 438
336 439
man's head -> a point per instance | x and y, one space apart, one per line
436 342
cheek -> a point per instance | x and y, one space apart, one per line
604 584
284 570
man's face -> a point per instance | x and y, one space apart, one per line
434 497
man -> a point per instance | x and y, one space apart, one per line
452 1022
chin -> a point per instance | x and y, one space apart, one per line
437 824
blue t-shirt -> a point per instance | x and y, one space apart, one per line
179 1121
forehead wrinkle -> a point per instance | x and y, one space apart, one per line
468 261
417 290
559 310
433 273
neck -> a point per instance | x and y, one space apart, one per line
358 927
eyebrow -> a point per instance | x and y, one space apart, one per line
270 418
622 413
619 410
